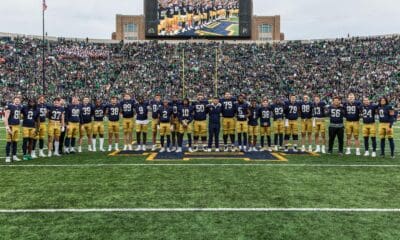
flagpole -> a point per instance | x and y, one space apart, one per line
43 52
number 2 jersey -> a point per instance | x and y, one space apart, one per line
30 116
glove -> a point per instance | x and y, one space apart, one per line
62 129
172 127
185 123
313 123
158 127
286 123
8 129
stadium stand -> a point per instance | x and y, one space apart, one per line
366 66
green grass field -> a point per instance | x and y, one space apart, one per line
113 189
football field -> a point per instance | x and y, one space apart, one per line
96 196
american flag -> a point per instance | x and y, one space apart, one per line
44 5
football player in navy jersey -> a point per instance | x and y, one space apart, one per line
86 123
265 114
128 123
200 123
319 110
43 109
98 125
12 123
306 123
30 127
113 114
353 114
369 112
336 126
155 104
175 104
386 120
253 125
292 110
56 126
185 113
142 123
73 117
242 127
278 123
228 120
164 117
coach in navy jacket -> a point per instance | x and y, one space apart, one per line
214 111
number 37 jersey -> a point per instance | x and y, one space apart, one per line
55 113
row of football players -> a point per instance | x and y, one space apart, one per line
177 16
174 118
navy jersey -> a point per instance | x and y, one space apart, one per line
155 105
30 116
353 111
306 110
200 113
113 112
175 105
265 116
73 113
384 114
15 114
185 113
368 113
127 107
319 110
55 113
42 109
214 113
87 113
164 114
142 111
228 107
254 116
99 113
292 110
242 111
278 111
336 115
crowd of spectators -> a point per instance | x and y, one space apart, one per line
366 66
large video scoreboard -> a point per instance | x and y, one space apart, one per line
223 19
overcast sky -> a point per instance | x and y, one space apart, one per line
300 19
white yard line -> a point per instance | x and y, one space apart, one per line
108 210
285 165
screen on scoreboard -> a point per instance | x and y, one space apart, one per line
198 18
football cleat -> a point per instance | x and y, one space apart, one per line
154 148
16 159
41 153
162 150
348 151
8 160
33 155
373 154
190 150
139 148
143 147
217 150
366 154
179 150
